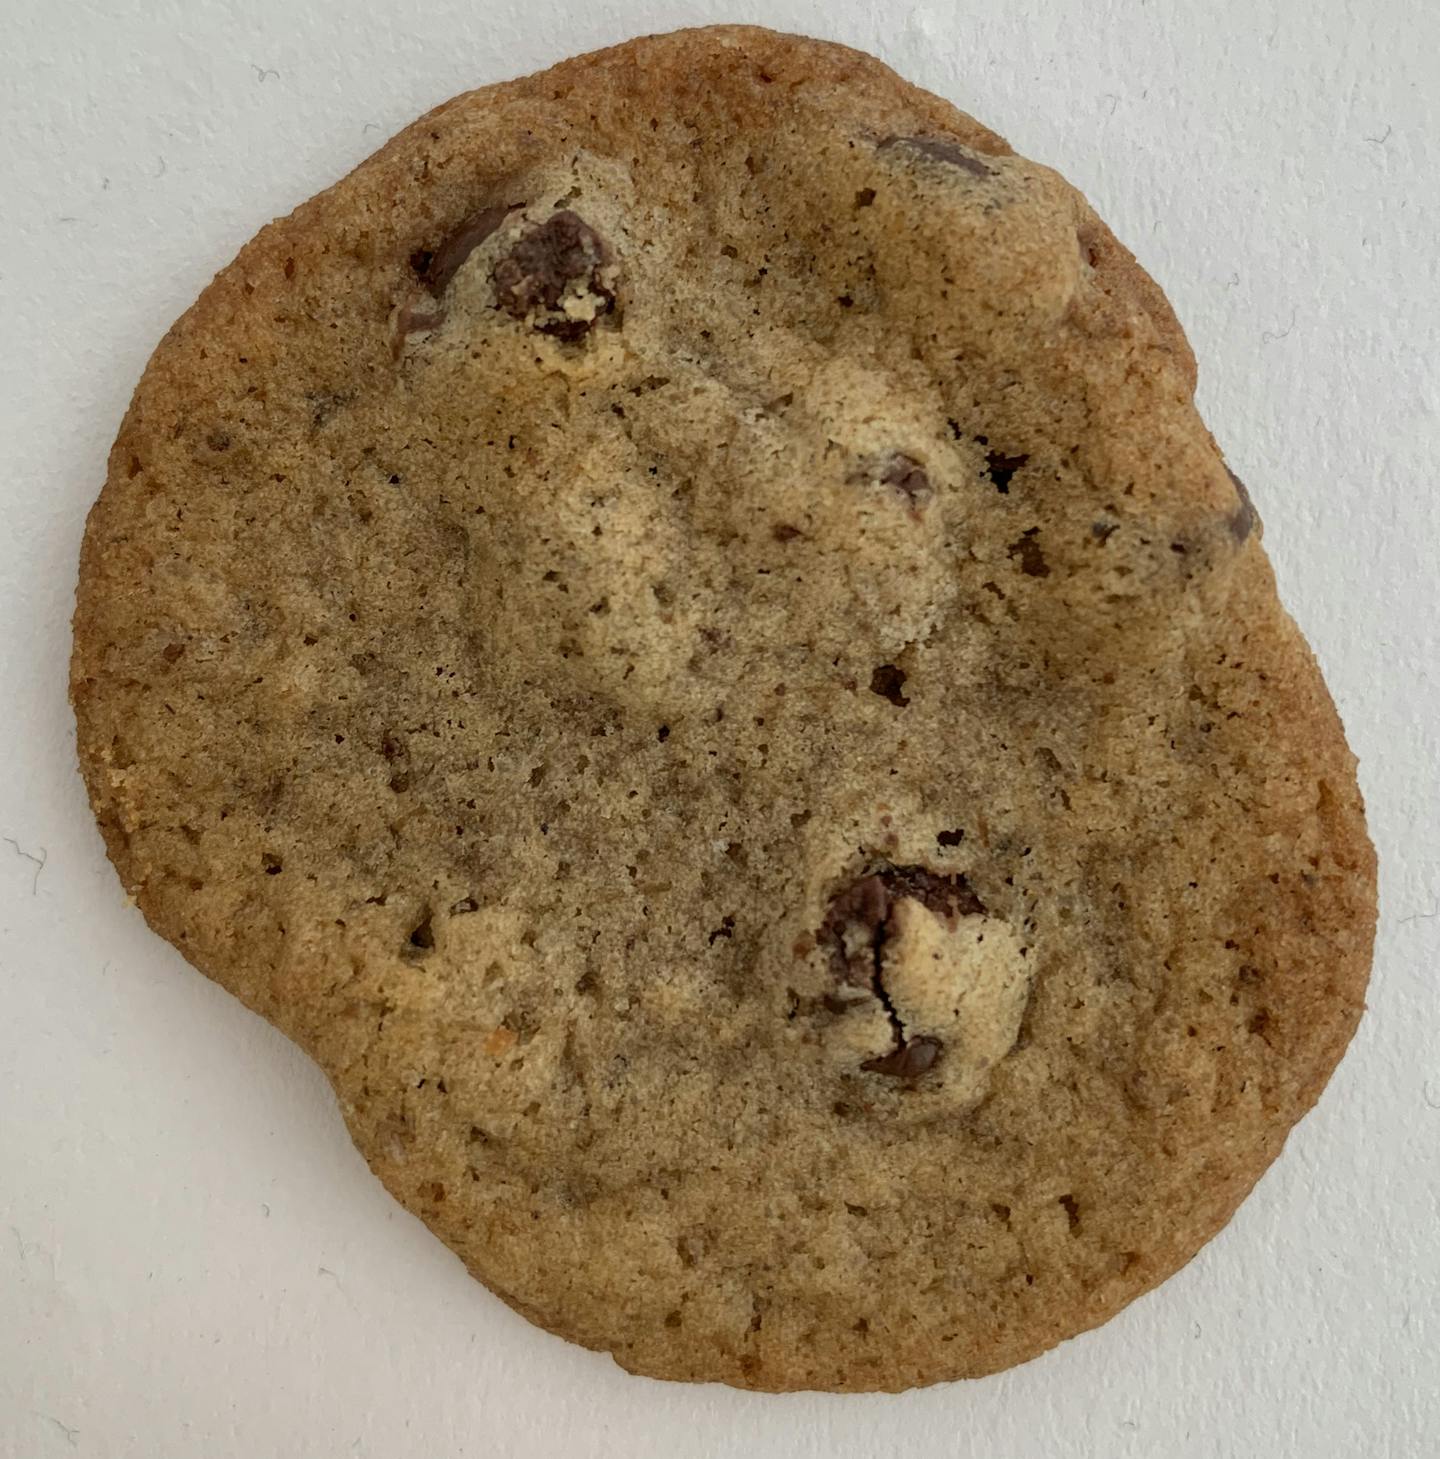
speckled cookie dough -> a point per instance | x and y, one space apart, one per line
680 632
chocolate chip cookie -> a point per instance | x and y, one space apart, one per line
680 632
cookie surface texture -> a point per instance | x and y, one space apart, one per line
680 632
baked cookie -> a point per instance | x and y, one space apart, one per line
680 632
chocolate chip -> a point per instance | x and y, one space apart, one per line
413 320
784 532
946 896
560 257
438 268
1242 520
909 1061
887 681
941 149
863 906
1032 559
1001 468
857 925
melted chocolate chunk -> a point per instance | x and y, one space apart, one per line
862 908
414 320
909 1061
438 268
941 149
860 921
561 256
1242 520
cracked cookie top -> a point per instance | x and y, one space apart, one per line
679 630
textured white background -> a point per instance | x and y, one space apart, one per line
193 1260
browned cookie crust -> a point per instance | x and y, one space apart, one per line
680 632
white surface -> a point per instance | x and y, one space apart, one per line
193 1260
